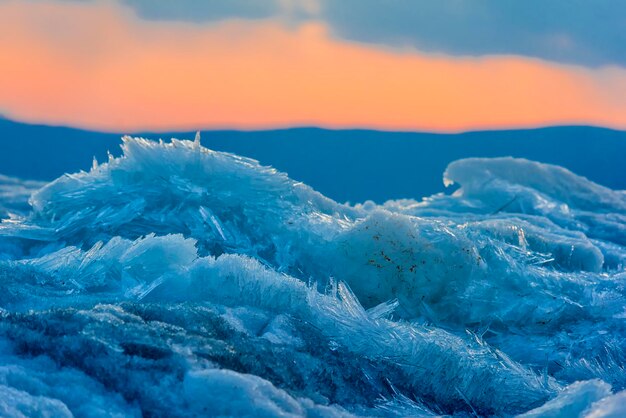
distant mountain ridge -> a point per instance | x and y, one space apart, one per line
347 165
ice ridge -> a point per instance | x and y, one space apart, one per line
175 280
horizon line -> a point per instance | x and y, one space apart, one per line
280 128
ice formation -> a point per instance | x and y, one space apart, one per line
179 281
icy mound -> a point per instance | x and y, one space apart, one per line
180 281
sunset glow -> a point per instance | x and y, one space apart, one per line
99 66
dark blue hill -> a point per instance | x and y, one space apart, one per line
347 165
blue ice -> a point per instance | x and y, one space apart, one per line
179 281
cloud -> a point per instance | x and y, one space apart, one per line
572 31
575 31
96 65
204 10
210 11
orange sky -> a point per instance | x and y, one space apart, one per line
98 66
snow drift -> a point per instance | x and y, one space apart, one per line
179 281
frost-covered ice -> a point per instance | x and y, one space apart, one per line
179 281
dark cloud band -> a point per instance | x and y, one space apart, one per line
576 31
204 10
586 32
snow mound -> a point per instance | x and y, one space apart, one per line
175 280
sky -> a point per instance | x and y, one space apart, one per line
444 66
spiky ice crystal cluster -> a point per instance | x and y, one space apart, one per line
179 281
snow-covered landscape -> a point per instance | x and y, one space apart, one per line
175 280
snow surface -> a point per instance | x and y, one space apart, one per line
179 281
